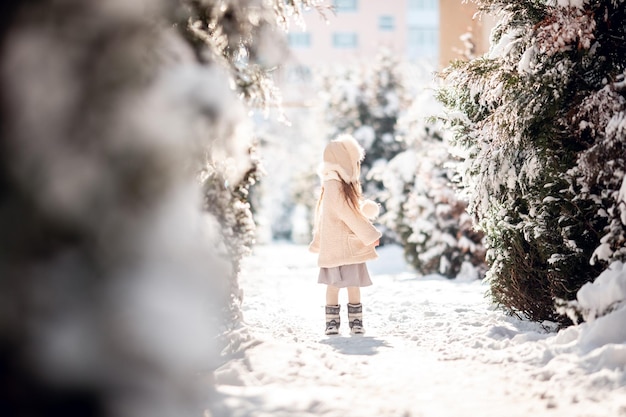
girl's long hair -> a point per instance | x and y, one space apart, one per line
352 194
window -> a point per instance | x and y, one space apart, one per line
345 5
422 4
423 37
423 42
299 39
299 74
386 23
345 40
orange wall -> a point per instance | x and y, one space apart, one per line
455 19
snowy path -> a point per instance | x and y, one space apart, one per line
433 347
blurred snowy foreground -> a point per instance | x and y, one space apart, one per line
433 347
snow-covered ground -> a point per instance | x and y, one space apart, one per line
433 347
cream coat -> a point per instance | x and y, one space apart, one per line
341 236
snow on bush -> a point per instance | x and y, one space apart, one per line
287 192
540 118
106 251
566 28
601 297
424 207
245 40
123 198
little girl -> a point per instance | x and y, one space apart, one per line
343 236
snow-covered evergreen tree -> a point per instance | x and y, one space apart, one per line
288 190
424 207
542 118
116 287
246 39
366 101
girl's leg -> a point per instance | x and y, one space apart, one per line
355 310
354 295
332 295
333 321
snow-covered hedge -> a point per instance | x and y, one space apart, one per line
287 192
424 206
124 171
605 295
542 117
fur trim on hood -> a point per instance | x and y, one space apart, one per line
343 156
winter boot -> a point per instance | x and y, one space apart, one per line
355 318
332 320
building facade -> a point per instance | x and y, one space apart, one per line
415 29
456 20
425 31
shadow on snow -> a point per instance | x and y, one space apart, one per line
355 345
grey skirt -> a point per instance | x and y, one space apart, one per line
355 275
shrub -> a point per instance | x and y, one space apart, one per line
541 117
